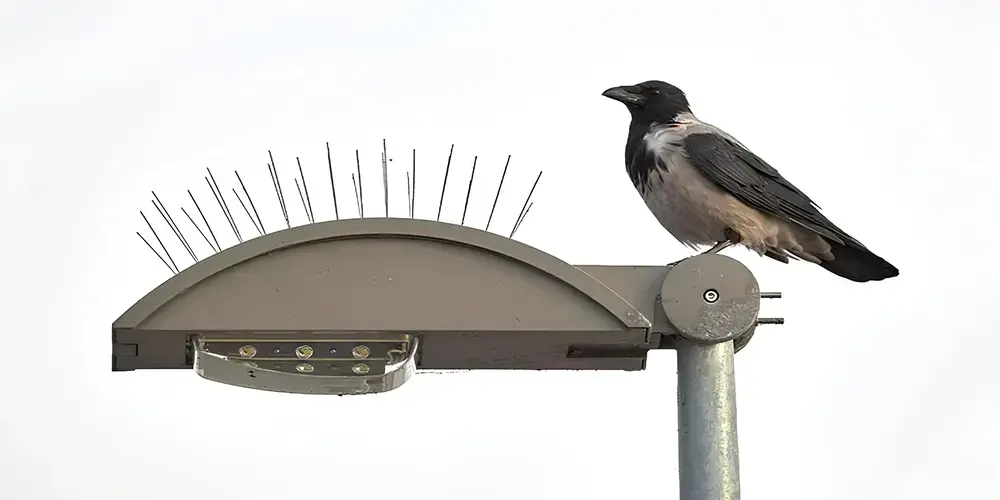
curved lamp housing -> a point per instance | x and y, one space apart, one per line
357 305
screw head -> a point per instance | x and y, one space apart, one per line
248 351
333 351
304 368
303 352
361 352
361 368
711 296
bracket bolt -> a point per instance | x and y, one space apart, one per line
304 368
711 296
361 368
304 351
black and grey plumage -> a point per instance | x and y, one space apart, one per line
706 188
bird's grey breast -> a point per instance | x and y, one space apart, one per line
685 202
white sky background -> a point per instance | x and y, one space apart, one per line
884 112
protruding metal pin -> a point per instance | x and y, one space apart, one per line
225 209
277 185
444 185
247 210
305 187
195 224
357 199
155 252
770 321
468 190
770 295
497 197
361 188
413 199
160 207
254 207
278 193
301 198
164 247
385 177
524 208
333 187
409 197
523 216
218 248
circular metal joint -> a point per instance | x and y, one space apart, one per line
710 298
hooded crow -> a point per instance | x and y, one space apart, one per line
706 188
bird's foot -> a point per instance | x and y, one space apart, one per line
732 238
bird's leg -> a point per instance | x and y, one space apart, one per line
732 238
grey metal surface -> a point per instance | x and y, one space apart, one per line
706 417
710 298
476 300
328 246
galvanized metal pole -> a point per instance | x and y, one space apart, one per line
706 417
710 300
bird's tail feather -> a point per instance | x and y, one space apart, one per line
858 264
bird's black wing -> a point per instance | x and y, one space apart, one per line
752 181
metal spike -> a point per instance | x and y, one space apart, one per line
202 233
225 206
281 192
497 197
278 193
413 199
385 177
409 198
333 187
361 186
518 224
302 198
357 197
468 191
525 206
444 185
222 206
305 187
245 209
155 252
164 247
254 207
218 247
173 226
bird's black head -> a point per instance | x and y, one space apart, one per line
652 101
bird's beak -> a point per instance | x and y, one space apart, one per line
625 95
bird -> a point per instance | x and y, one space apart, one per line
708 189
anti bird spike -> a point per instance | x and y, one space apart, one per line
253 212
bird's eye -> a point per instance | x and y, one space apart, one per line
654 91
